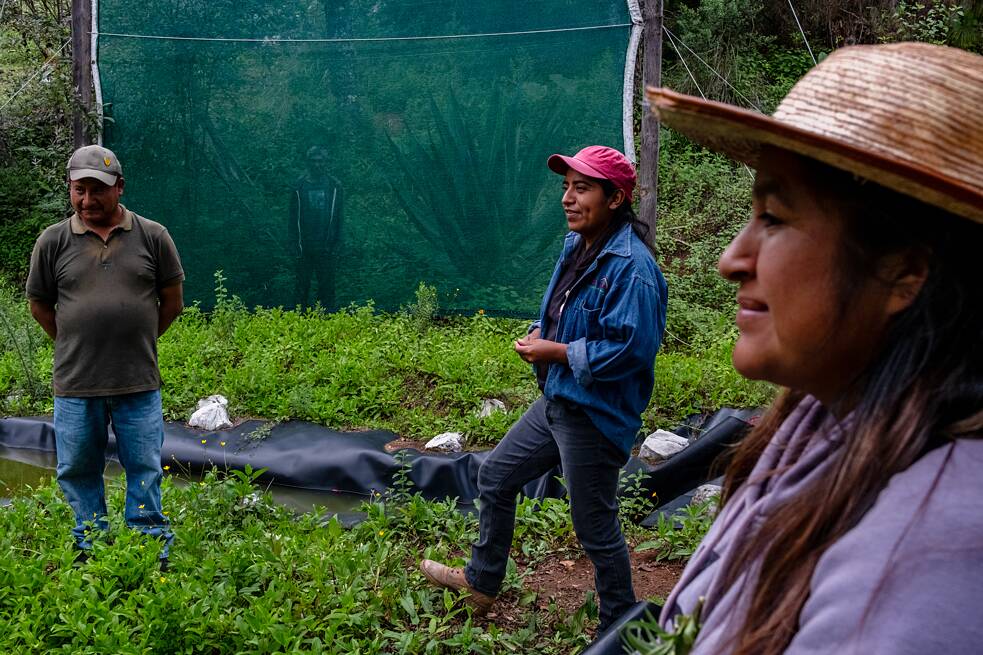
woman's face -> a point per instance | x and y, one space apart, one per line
588 210
795 328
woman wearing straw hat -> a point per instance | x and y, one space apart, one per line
602 320
852 518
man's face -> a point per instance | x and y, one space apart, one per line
96 202
318 166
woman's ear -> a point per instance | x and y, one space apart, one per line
905 275
616 199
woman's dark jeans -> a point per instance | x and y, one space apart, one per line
552 432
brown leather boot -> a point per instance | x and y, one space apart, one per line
454 580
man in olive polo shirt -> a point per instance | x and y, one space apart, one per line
104 284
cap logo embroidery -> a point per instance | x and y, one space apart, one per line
107 161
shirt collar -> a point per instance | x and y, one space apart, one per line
78 227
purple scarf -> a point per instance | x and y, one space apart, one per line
801 450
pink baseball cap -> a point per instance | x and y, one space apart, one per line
598 161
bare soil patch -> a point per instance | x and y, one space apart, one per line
564 580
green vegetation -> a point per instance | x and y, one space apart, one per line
677 537
247 576
646 637
410 372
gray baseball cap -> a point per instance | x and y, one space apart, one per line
97 162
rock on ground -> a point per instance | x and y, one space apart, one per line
489 406
661 445
705 492
448 442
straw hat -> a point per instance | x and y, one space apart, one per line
908 116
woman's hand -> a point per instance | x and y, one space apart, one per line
533 349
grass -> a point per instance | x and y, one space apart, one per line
248 576
417 376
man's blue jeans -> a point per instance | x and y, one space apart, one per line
80 439
552 432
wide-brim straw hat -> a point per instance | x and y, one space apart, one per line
908 116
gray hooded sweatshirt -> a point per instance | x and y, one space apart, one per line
907 579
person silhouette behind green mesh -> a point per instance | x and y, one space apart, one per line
314 228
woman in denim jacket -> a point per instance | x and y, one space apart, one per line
593 349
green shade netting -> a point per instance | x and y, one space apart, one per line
432 150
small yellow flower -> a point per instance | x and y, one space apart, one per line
204 441
163 579
382 533
164 513
481 311
222 444
141 507
167 467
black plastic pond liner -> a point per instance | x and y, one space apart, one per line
300 455
308 456
609 643
704 459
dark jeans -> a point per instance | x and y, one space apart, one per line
320 265
552 432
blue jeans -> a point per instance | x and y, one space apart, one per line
80 439
552 432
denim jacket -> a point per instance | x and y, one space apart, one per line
613 324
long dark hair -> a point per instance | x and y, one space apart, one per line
625 213
923 389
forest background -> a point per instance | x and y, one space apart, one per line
415 371
248 576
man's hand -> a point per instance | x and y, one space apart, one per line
533 349
44 314
171 305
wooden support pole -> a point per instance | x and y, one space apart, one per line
649 157
81 69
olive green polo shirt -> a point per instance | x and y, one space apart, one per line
106 302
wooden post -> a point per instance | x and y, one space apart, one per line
649 157
81 69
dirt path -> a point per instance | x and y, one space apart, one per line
564 583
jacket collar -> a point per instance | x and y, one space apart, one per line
619 244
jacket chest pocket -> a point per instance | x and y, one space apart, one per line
592 320
587 308
584 322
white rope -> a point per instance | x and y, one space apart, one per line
802 32
683 62
276 39
36 73
635 11
714 71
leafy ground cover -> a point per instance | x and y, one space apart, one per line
361 369
247 576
